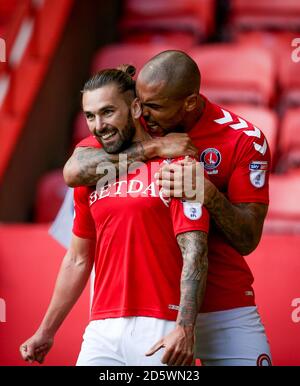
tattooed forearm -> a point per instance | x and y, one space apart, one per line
82 168
242 224
193 247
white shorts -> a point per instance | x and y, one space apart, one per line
123 341
224 338
233 337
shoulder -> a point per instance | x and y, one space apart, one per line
81 193
243 135
90 141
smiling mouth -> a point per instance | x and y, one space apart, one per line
107 136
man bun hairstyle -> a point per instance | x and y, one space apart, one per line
122 76
128 69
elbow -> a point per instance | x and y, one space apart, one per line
71 175
78 262
247 248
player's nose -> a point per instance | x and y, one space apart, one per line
100 125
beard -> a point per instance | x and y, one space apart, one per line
121 140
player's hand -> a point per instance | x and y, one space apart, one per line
178 345
36 348
175 145
183 179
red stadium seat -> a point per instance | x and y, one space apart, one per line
264 118
289 79
257 14
277 42
290 130
233 73
50 193
136 54
196 16
289 141
180 39
167 8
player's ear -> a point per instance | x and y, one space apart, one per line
191 102
136 109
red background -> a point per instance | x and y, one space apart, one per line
30 260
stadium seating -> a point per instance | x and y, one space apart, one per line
277 42
181 39
289 76
290 130
283 47
289 141
263 14
50 193
233 73
27 66
262 117
194 16
136 54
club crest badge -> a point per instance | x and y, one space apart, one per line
211 158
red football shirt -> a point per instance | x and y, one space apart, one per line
138 262
236 157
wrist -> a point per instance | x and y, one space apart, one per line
46 332
187 330
49 327
151 148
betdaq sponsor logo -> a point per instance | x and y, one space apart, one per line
296 312
181 179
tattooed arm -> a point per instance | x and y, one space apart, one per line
179 344
81 168
242 223
193 247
